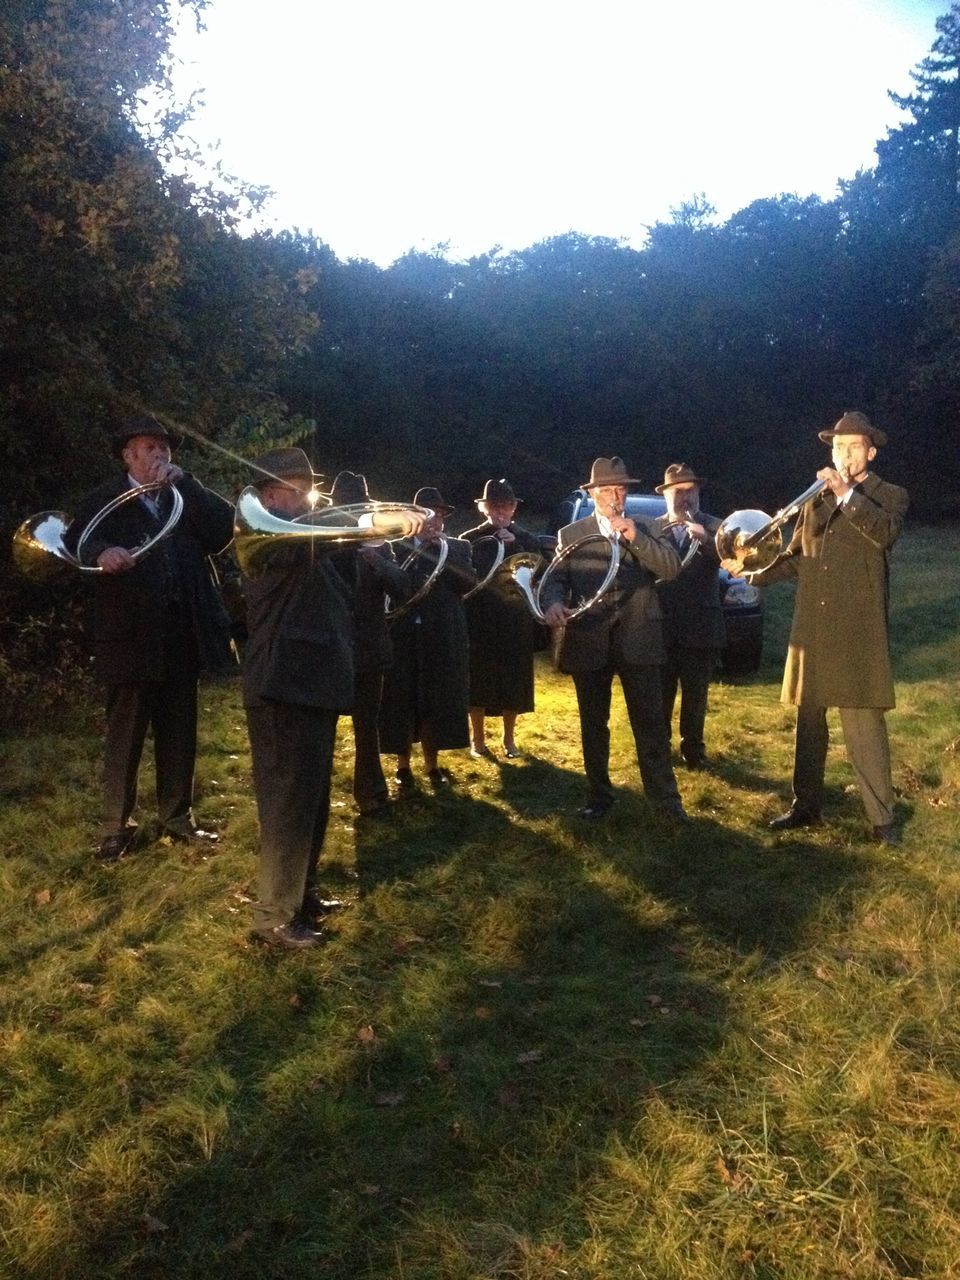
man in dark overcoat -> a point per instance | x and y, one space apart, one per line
693 631
620 635
378 578
297 681
503 631
425 690
839 654
158 621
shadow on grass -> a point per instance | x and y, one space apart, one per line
499 1010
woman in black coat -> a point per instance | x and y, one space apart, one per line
503 633
425 690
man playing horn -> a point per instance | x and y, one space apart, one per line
839 654
158 621
619 635
297 680
693 631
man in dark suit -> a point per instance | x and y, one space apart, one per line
158 621
619 635
297 681
692 615
839 653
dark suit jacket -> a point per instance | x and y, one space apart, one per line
300 622
131 609
630 604
692 613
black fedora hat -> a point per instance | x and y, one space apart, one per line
143 424
498 491
855 423
285 466
430 496
349 487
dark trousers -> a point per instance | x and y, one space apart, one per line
369 784
690 670
868 750
644 698
292 752
167 707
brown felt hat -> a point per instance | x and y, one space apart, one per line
855 423
285 466
430 497
142 425
679 473
498 491
606 471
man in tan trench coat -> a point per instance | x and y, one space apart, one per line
839 653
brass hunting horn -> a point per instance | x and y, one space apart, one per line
753 539
39 549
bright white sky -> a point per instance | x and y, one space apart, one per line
384 125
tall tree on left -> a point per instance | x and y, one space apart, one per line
122 287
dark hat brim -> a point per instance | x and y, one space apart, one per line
699 480
607 481
876 437
120 441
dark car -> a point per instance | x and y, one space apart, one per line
742 602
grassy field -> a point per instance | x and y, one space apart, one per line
532 1048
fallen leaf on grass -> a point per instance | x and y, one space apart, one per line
639 1022
532 1055
366 1035
822 974
483 1012
153 1226
400 945
389 1099
729 1176
488 982
42 897
653 1001
370 1189
443 1064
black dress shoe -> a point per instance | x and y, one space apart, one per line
191 834
673 812
593 812
887 834
793 818
315 907
440 777
404 779
696 763
292 936
379 813
112 848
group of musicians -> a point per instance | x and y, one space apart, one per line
419 651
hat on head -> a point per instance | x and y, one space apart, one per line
607 471
498 491
679 473
349 487
430 497
142 425
855 423
284 465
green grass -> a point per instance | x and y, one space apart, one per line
531 1048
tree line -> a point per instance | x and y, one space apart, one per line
126 286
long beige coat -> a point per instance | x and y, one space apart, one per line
839 653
